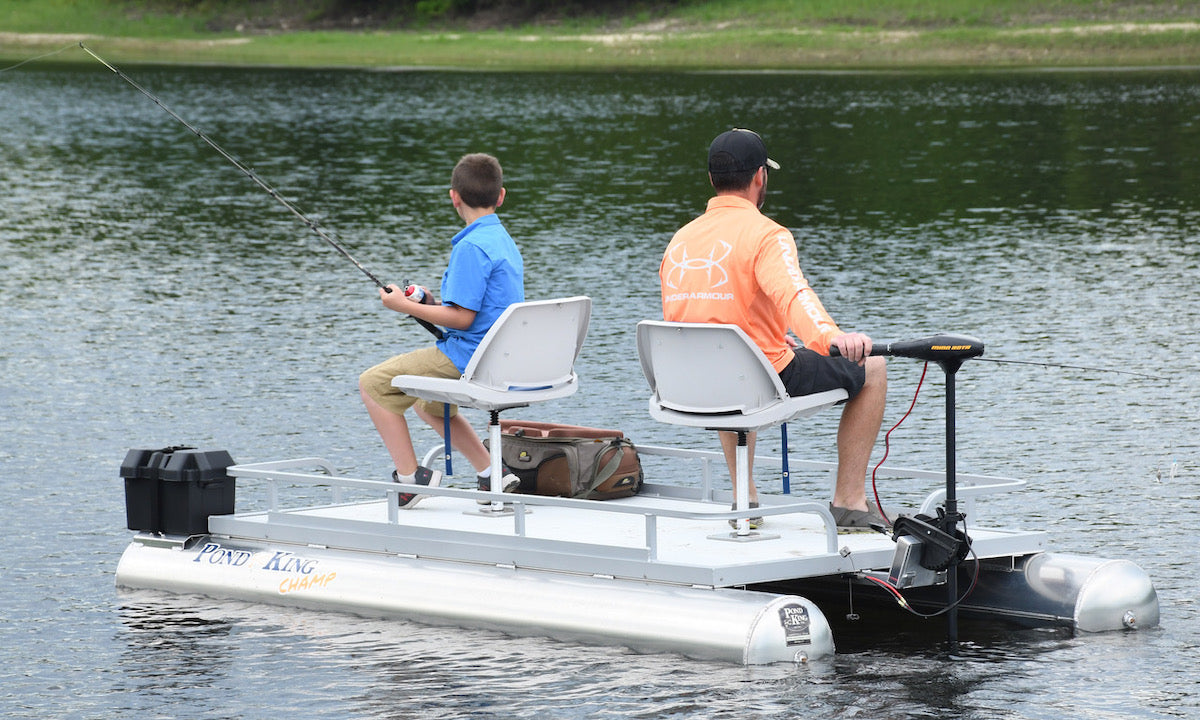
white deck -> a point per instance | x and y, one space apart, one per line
667 534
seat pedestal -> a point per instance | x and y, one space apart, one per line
743 533
496 508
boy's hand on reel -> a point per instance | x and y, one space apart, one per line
419 293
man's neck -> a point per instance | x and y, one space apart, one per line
743 194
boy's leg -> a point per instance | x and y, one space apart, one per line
462 437
393 429
386 404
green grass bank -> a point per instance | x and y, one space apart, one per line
684 35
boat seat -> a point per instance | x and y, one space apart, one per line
713 376
528 356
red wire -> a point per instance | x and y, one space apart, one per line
875 489
886 586
887 445
899 596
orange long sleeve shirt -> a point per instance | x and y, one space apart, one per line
735 265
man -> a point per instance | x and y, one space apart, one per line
734 265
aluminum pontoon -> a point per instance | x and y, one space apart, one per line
657 572
654 572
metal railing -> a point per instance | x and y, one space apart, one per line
289 471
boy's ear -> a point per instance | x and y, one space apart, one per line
454 198
500 198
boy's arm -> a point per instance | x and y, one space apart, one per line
450 316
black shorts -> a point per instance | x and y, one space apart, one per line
811 372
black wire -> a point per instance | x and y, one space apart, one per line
898 596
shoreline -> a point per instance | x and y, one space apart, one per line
1103 46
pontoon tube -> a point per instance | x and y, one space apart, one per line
1099 594
712 623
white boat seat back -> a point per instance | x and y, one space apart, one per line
532 345
706 368
527 356
714 375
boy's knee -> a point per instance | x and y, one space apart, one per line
375 382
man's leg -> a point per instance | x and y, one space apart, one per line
859 428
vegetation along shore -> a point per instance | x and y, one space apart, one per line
612 34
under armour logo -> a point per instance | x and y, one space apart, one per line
682 263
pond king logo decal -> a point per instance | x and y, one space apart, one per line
797 628
302 572
213 554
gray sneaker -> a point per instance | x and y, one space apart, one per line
755 522
484 484
423 476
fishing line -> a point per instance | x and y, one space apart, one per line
39 57
1070 367
258 181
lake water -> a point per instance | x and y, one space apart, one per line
152 295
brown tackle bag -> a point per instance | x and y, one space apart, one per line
570 460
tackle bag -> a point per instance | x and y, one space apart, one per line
570 460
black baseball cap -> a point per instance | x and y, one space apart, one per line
738 150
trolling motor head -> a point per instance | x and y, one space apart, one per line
935 348
943 348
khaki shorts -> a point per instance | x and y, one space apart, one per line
428 361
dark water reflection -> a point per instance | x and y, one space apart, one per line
153 295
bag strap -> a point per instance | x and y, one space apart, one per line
599 475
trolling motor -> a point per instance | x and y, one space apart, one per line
925 546
925 550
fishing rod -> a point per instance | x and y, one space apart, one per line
258 181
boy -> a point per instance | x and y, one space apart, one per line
485 274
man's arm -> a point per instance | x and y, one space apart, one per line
778 273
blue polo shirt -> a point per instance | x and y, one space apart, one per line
485 274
